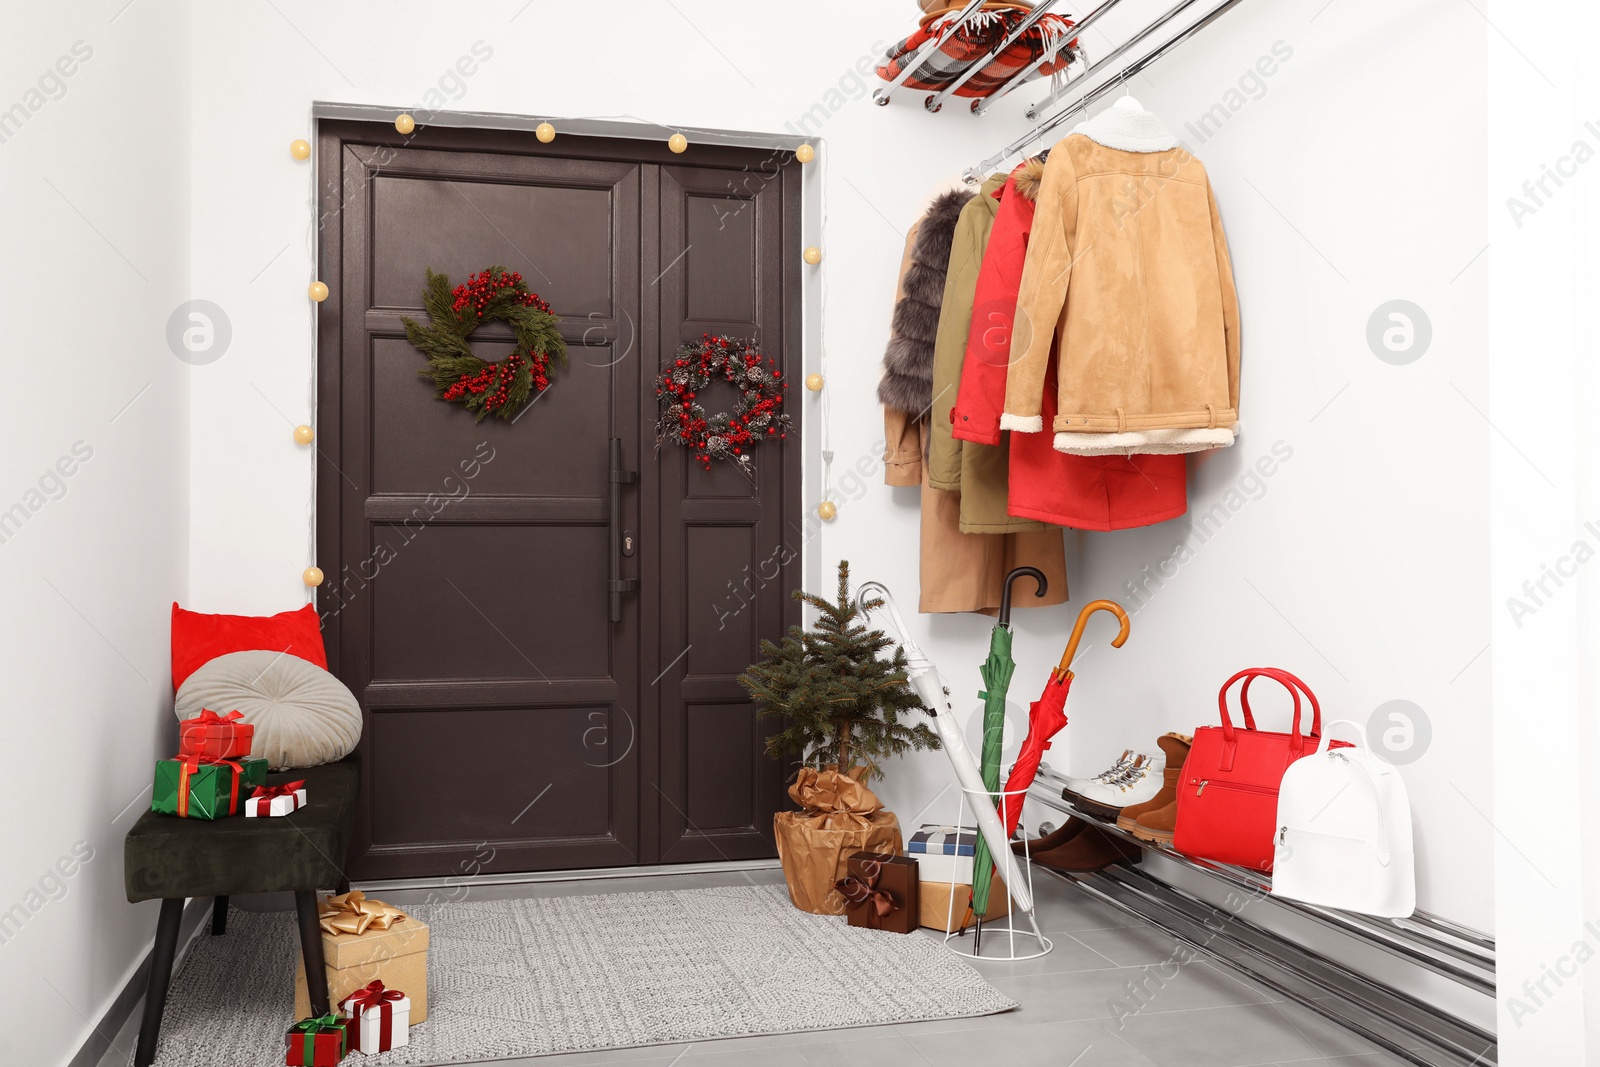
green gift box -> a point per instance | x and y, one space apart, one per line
198 787
252 772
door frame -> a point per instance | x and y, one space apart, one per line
798 307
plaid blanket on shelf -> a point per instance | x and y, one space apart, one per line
961 46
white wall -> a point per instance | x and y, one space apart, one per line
94 175
1545 478
1363 564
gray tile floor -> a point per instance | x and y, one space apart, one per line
1102 998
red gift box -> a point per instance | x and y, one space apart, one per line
217 736
319 1042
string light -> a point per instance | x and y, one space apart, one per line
312 576
827 510
678 143
814 382
304 435
812 255
405 124
805 153
546 133
317 291
300 149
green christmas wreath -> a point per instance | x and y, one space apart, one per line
500 388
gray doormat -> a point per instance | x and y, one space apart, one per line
544 975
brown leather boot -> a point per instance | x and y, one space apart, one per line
1176 748
1054 839
1090 850
1157 825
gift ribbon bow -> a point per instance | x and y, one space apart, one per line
262 797
207 717
189 764
857 889
373 995
353 913
310 1029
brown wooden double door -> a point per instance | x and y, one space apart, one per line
544 619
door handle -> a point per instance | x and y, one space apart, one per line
617 585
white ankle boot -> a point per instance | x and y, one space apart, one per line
1136 783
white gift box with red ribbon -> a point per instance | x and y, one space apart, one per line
269 800
384 1016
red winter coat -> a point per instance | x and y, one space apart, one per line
1083 492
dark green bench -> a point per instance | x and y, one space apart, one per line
170 859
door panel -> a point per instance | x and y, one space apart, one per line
507 715
720 528
436 620
478 776
412 430
458 219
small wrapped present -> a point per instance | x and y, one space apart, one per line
221 736
318 1042
950 909
881 892
365 941
270 800
196 787
944 853
381 1016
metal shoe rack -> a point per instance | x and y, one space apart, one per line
1404 1024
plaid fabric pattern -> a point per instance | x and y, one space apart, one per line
961 47
944 840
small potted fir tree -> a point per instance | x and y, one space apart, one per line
841 702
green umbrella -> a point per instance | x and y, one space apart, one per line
996 673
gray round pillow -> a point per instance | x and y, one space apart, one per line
303 715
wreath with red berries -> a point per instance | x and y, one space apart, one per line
726 435
494 295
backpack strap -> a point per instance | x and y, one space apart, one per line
1351 757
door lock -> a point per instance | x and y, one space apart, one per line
627 542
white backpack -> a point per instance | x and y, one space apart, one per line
1344 832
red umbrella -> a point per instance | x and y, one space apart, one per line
1048 715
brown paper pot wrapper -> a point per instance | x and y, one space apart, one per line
936 911
841 817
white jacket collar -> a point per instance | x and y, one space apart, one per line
1128 127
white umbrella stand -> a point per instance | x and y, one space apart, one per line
935 694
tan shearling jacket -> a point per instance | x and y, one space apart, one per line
1128 276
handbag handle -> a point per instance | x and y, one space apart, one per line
1249 674
1293 683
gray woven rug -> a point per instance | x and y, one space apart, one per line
545 975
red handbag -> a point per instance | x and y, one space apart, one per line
1228 798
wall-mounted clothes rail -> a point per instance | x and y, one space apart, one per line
983 104
977 173
1060 91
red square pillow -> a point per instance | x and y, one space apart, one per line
197 639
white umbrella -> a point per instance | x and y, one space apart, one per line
930 686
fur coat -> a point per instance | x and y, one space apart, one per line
907 383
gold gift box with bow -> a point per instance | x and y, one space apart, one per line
365 940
